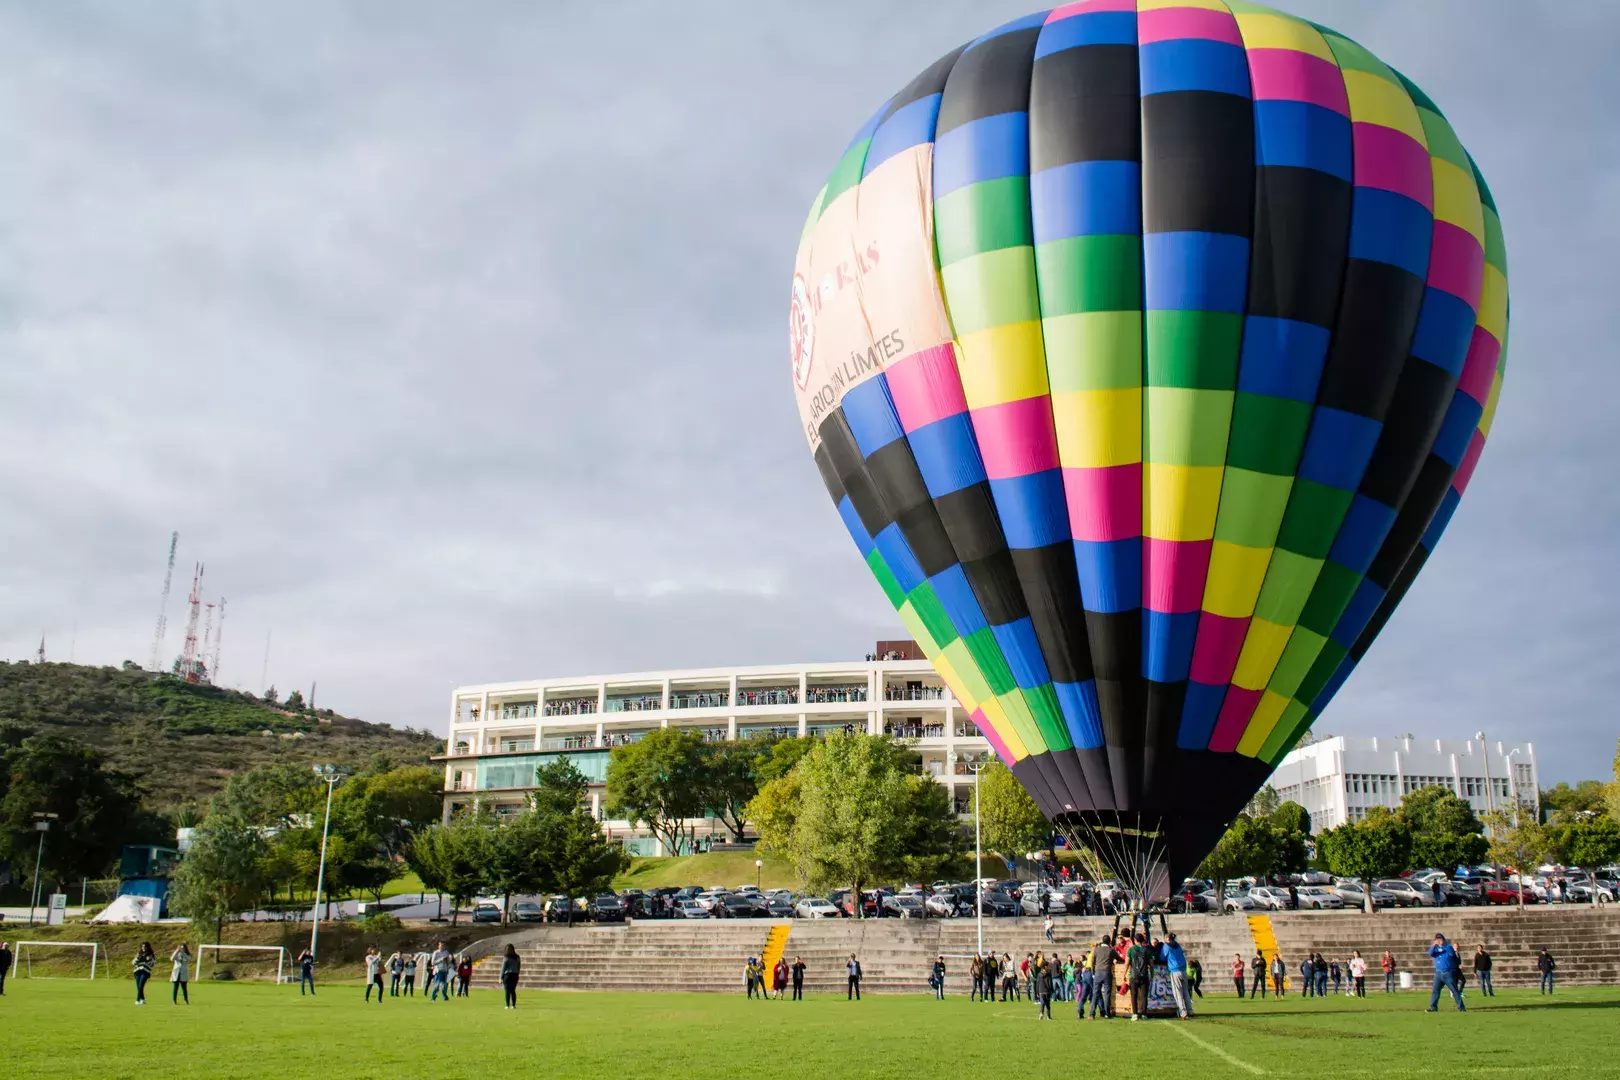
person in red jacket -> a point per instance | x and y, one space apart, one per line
1237 973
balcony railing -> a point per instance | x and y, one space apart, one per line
622 738
569 742
514 746
523 710
915 731
570 706
823 730
715 734
781 731
914 693
772 695
699 699
635 703
824 694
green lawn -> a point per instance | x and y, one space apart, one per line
75 1029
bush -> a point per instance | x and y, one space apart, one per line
380 922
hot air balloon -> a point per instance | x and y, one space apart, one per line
1146 348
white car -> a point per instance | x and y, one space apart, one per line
1406 894
816 907
1319 898
1234 902
708 900
690 910
1268 899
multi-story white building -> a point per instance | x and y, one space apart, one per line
499 733
1338 779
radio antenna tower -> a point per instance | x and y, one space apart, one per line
163 607
219 632
204 672
186 667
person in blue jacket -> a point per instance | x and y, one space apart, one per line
1175 961
1446 967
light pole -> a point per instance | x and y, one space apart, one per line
978 855
1485 755
330 774
759 873
42 825
1513 793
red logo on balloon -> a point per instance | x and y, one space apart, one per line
801 332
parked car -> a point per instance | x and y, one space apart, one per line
777 908
816 907
1407 894
1462 894
741 906
486 912
947 903
1318 898
1354 897
998 904
687 909
708 899
1580 892
1267 898
605 908
904 906
528 911
1233 902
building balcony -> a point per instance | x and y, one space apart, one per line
634 703
700 699
913 693
569 707
569 742
773 695
817 695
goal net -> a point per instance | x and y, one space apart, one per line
244 962
59 960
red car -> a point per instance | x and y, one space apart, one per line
1506 892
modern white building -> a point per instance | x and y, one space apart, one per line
499 733
1339 778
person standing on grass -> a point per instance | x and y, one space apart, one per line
180 975
1088 986
1336 972
1482 971
510 966
1446 966
441 973
1279 975
937 977
1387 964
1139 962
1358 974
976 971
410 975
798 978
1009 977
1237 973
1321 975
1546 965
1257 975
145 960
396 968
1307 975
1175 962
1026 974
853 970
748 977
779 978
374 973
306 972
1043 991
1102 975
1195 976
5 965
463 975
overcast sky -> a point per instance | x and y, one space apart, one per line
452 336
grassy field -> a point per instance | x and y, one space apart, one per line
77 1030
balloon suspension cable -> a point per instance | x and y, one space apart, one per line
1132 852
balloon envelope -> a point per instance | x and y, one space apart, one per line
1146 349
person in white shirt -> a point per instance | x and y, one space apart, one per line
374 962
181 975
1358 974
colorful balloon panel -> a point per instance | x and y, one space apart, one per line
1146 347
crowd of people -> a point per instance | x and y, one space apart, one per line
1044 978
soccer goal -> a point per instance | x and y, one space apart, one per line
262 962
53 965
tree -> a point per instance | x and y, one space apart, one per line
1010 823
1378 845
777 757
1612 795
775 813
1249 846
97 809
1564 803
559 788
730 782
517 855
581 860
1264 803
852 792
1591 842
450 859
1518 842
295 702
1291 823
221 873
659 781
931 837
1445 830
382 809
270 696
275 796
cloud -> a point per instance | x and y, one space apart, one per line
453 341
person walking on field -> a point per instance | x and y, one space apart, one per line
1546 965
145 960
1482 971
748 977
1043 991
1102 974
1387 964
441 973
936 976
396 969
1237 974
1446 966
180 975
510 966
853 970
1195 976
1279 975
5 965
306 972
1307 975
374 973
1088 986
798 978
1358 974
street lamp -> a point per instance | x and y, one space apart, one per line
42 825
1513 793
331 775
978 856
759 873
1485 755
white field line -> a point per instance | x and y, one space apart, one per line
1217 1051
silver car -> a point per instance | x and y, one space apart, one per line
1406 894
1318 897
816 907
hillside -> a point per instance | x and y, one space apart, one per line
182 740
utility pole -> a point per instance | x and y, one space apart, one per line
42 825
1485 756
264 668
163 607
330 774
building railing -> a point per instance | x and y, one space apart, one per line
773 695
514 746
715 734
523 710
700 699
622 738
827 694
569 742
570 707
823 730
914 693
914 731
781 731
635 703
